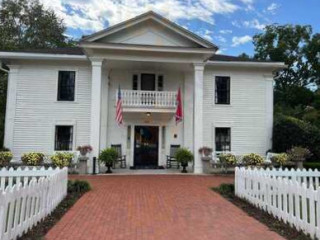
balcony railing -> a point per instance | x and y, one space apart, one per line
152 99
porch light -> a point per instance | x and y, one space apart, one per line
148 114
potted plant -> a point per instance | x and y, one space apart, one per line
32 158
108 156
183 156
227 160
205 151
84 150
279 159
298 155
5 157
62 159
252 159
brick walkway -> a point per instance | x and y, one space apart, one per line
157 207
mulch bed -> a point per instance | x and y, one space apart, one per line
274 224
40 230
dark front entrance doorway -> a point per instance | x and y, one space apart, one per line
146 142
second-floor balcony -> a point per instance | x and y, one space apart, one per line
148 99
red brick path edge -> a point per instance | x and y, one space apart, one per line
156 207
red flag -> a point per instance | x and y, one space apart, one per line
179 114
119 117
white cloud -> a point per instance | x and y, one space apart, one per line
205 33
93 15
221 39
254 24
236 41
272 8
225 31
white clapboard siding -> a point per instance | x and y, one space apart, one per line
29 196
291 196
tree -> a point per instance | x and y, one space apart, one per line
26 24
295 46
244 56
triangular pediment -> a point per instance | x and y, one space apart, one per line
149 29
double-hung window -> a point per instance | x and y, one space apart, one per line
222 90
223 139
66 85
63 138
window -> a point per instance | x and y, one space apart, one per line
63 138
135 82
223 139
222 90
160 83
66 85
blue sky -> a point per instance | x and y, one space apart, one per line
230 24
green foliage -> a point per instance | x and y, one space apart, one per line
244 56
32 158
280 159
183 155
294 45
228 159
24 24
289 132
225 189
78 186
252 159
298 154
62 159
108 156
5 158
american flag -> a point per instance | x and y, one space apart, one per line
119 117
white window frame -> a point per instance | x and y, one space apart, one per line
76 70
157 74
64 123
214 90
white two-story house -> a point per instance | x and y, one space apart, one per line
59 99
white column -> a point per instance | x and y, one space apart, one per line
197 116
96 79
11 106
269 110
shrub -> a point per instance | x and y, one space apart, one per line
289 132
225 189
32 158
5 158
280 159
184 155
108 156
298 154
62 159
252 159
78 186
228 159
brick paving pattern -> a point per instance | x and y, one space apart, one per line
156 207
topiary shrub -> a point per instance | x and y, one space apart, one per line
62 159
32 158
5 158
228 159
252 159
289 132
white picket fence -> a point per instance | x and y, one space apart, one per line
291 196
27 196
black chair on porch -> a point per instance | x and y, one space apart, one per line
171 160
121 158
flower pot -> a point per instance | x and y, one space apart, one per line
184 165
299 164
109 168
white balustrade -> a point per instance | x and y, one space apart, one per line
27 196
156 99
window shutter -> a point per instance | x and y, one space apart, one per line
160 83
135 82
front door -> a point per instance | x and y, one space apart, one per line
146 146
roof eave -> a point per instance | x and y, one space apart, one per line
274 65
41 56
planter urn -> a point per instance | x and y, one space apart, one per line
206 163
83 169
109 168
184 166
